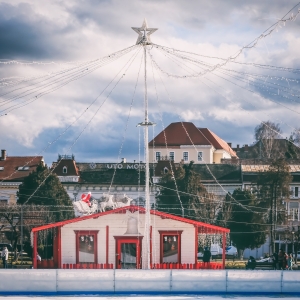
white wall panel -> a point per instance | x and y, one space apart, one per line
85 280
198 280
152 281
27 280
142 281
291 282
253 281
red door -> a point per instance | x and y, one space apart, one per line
128 253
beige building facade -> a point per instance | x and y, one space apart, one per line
183 141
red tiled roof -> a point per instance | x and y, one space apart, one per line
72 169
186 133
217 142
176 135
12 163
202 227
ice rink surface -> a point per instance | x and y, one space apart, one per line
137 297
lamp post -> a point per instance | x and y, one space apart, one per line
293 235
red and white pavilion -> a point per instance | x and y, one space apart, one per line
114 239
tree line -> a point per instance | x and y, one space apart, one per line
250 214
50 203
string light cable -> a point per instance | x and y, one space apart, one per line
255 76
252 44
86 64
184 193
69 126
128 64
278 103
9 81
77 69
215 179
192 59
126 125
282 122
34 98
165 138
206 164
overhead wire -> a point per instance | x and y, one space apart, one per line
49 144
72 78
128 64
268 67
165 138
292 110
126 125
186 132
251 103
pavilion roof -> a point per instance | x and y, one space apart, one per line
202 227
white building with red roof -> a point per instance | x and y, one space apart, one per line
184 141
115 239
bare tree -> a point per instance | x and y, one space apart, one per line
33 216
266 134
205 207
296 136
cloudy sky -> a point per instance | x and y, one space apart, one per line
46 102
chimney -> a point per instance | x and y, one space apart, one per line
237 146
123 161
246 148
229 144
3 154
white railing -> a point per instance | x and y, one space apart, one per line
222 282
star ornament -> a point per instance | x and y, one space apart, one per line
144 33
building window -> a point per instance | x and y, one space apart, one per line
65 170
185 156
157 156
200 156
170 246
296 191
86 246
172 156
293 211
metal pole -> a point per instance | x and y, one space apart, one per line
146 260
21 235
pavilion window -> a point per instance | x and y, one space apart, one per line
170 246
86 246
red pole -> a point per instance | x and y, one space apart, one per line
59 247
223 253
196 245
34 256
150 245
107 244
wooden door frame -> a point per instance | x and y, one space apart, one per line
129 239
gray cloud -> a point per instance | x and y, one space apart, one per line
84 30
